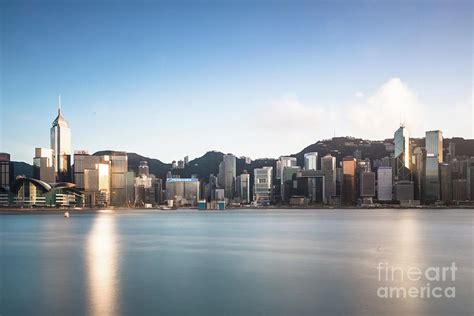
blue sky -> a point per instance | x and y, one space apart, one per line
259 79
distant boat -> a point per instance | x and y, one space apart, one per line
66 214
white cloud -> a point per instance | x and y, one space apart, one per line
379 115
287 125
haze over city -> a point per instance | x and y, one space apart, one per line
167 80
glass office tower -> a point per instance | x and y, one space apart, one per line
61 146
434 156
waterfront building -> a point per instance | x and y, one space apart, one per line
243 187
419 163
310 184
83 161
404 191
61 146
384 183
184 191
328 167
130 187
402 153
349 165
144 186
288 181
43 167
6 175
367 184
460 192
311 161
263 185
118 171
434 156
280 165
446 183
229 169
470 178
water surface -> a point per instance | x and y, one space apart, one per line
280 262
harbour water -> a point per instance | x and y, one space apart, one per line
252 262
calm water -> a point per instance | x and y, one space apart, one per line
296 262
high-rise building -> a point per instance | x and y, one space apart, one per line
404 191
61 146
288 181
470 179
5 171
311 161
402 154
284 162
263 185
243 187
367 184
185 191
419 163
460 190
230 169
328 167
349 165
384 183
118 171
446 183
434 156
281 163
92 176
43 168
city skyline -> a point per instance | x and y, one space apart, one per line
199 70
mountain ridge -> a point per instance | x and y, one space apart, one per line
208 163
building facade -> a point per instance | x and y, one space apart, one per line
263 185
61 146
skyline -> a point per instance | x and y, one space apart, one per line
339 69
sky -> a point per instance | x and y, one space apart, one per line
254 78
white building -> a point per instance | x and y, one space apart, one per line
263 185
61 146
43 165
384 183
311 161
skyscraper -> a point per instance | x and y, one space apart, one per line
118 171
367 184
311 161
243 187
349 165
446 183
328 167
402 153
229 175
384 183
61 146
434 156
5 172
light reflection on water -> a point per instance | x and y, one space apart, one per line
102 266
293 262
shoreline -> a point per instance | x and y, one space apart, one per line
51 210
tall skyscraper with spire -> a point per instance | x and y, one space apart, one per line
61 146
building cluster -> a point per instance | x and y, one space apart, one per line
412 175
